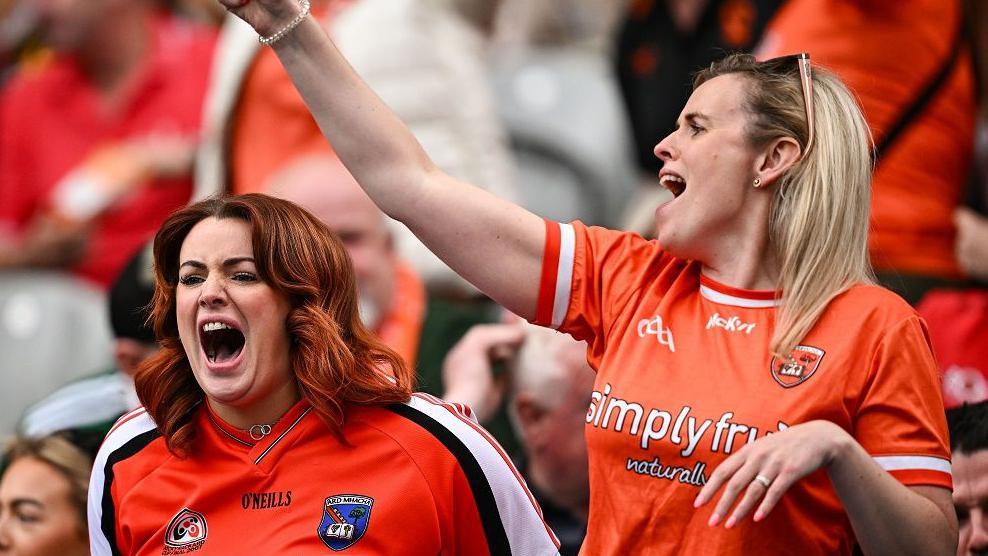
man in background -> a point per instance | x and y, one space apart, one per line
548 389
968 426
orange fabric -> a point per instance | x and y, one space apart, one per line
431 477
401 326
271 124
684 378
885 52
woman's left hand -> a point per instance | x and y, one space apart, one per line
767 468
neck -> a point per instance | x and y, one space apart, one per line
576 501
744 258
116 51
261 412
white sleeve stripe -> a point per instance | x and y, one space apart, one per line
564 274
129 426
470 420
522 523
913 463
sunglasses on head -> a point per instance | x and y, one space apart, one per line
806 81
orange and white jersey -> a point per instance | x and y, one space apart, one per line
685 378
419 478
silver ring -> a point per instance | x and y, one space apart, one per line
763 480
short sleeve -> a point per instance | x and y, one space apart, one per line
589 275
901 420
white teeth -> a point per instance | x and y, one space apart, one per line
210 326
671 178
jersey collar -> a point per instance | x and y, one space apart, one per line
736 297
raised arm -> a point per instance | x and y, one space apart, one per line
494 244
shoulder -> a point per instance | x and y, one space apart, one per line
425 419
872 304
34 78
132 433
469 472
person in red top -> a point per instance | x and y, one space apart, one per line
921 174
745 355
274 422
97 143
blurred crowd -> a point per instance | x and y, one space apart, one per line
113 113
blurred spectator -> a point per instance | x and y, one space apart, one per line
393 300
425 61
549 393
392 297
659 47
972 243
97 142
18 36
209 12
968 426
43 498
91 405
580 24
921 109
957 322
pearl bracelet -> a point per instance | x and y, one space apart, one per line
268 41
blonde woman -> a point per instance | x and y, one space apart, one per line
43 498
744 356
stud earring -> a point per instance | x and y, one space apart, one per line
757 182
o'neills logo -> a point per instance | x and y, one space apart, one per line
186 532
798 368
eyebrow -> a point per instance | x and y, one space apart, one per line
18 503
695 116
232 261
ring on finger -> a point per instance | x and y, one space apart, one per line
763 480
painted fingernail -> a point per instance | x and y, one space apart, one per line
730 522
758 515
714 519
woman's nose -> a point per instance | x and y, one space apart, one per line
664 150
212 293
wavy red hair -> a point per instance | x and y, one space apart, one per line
337 362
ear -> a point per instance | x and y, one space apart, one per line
776 159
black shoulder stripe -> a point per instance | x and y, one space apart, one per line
497 539
109 521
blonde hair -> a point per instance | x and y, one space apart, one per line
64 457
818 226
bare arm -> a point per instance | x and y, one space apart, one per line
494 244
887 516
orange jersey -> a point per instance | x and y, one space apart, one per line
419 478
685 378
886 52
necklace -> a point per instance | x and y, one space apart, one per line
258 432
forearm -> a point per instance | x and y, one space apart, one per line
481 237
887 516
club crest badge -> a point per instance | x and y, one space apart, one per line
186 532
344 520
798 367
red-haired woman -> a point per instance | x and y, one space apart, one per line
275 423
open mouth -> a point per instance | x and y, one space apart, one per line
673 182
220 341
